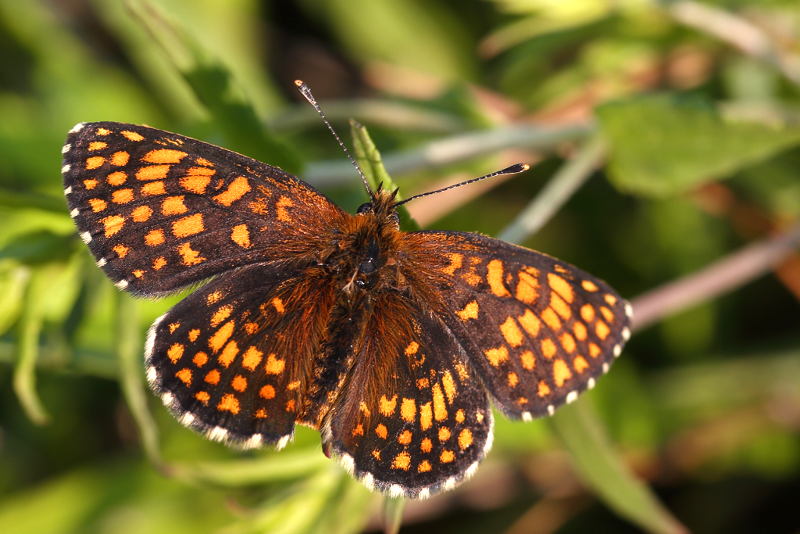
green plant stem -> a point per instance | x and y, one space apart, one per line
456 149
393 514
129 354
30 326
555 194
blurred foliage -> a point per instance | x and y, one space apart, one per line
702 137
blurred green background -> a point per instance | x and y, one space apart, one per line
686 116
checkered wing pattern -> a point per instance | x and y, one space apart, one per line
160 211
411 418
233 359
537 330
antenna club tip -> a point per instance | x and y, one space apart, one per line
299 83
526 167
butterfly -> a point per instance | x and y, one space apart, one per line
390 343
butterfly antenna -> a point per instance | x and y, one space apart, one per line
514 169
306 92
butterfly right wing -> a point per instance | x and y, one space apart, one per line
160 211
233 359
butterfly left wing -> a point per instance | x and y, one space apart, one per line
538 331
411 419
160 211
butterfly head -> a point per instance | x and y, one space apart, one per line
382 207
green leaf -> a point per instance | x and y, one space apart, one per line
602 469
369 159
664 145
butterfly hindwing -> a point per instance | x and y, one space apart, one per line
233 359
410 419
537 330
160 210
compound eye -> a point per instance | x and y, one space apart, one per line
366 207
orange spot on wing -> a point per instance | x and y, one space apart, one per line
251 358
228 354
607 314
239 383
494 276
560 286
228 403
220 337
121 250
97 145
122 196
497 355
193 334
222 313
154 237
455 263
408 410
511 332
551 319
611 299
548 348
200 358
102 131
132 136
281 205
278 305
439 409
202 396
568 342
164 155
528 360
561 307
386 407
449 386
588 285
425 416
530 323
196 183
97 204
189 225
154 188
116 178
94 162
120 158
587 313
561 372
113 224
274 365
152 172
602 330
402 461
424 466
444 433
90 183
175 352
159 263
138 273
189 256
212 377
173 206
267 392
236 190
447 456
543 389
241 236
579 329
141 213
185 376
527 290
464 439
426 445
470 311
381 431
580 364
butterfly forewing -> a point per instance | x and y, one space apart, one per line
537 330
160 211
411 419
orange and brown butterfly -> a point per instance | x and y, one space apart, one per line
390 343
